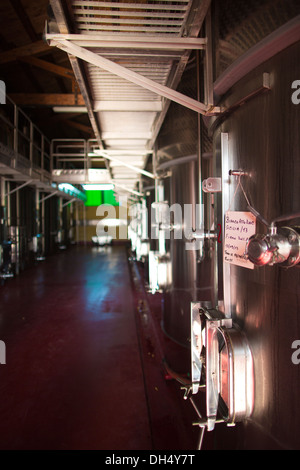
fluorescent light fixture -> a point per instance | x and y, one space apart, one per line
112 222
69 109
98 187
66 187
136 163
69 189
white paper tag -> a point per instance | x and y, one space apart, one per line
239 227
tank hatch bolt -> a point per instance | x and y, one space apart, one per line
237 173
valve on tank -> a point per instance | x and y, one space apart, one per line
281 245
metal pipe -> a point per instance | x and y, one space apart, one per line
18 187
19 223
199 161
69 202
275 42
2 191
49 195
177 161
283 218
202 426
43 227
103 154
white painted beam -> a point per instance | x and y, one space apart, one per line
131 76
106 105
128 41
103 154
121 186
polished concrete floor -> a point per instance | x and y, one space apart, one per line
80 372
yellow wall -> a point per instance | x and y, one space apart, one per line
88 221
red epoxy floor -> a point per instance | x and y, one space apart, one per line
73 374
79 374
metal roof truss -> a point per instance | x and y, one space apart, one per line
133 56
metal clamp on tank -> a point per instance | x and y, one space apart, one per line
159 271
162 216
201 234
59 239
279 245
221 349
36 246
6 260
212 185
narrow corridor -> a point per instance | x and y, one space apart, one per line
73 377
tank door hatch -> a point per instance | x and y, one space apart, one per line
221 361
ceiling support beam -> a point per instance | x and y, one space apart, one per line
19 187
196 23
103 154
134 77
49 67
81 127
154 106
69 202
130 41
33 48
64 29
24 19
47 99
127 6
48 196
137 193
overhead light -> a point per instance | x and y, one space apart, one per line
112 222
71 190
98 187
69 109
66 187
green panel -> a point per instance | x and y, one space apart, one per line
94 198
109 198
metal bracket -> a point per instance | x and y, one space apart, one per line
18 188
49 195
137 193
212 185
69 202
104 154
131 76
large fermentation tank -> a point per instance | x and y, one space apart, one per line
255 159
261 138
178 162
190 269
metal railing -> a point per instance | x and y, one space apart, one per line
23 141
71 154
68 154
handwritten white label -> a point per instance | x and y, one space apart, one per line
239 227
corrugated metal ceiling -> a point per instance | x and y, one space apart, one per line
128 115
